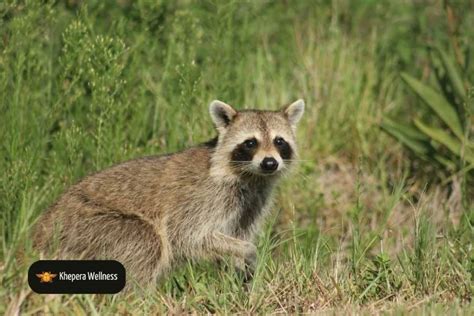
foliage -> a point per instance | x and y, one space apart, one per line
444 136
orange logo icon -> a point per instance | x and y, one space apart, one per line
46 277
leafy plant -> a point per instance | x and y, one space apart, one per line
378 280
442 136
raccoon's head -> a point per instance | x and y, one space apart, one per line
254 143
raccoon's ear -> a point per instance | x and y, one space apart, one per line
221 113
294 111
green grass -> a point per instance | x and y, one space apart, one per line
360 227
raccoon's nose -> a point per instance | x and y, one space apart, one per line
269 164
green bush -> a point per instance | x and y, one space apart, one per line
443 136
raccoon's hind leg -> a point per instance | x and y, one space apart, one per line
111 234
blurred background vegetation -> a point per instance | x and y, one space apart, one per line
378 216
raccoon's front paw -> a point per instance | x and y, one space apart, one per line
245 271
250 262
250 250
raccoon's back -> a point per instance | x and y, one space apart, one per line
141 185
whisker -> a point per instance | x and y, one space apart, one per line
298 160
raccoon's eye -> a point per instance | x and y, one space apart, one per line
250 143
279 141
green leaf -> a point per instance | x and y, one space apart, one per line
416 141
437 103
453 73
446 162
418 144
409 130
439 135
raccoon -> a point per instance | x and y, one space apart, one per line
205 202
